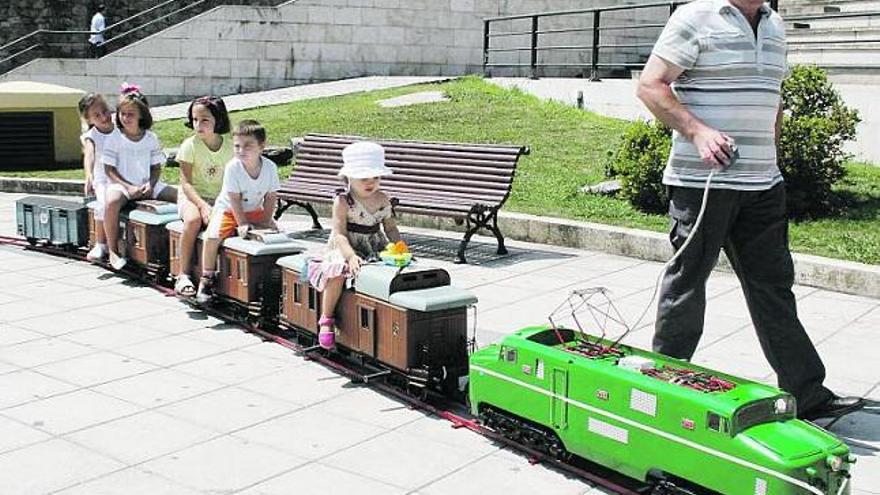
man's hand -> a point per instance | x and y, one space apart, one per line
715 147
243 230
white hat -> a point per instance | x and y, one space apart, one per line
363 160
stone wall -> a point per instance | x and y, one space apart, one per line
234 49
21 17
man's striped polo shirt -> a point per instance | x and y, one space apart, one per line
731 81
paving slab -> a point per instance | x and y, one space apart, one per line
27 471
223 465
130 481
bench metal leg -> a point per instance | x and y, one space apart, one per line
281 207
308 207
495 230
287 203
464 242
477 219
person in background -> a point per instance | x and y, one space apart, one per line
97 27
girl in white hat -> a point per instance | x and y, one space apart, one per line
358 213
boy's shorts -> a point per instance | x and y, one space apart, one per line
115 186
223 224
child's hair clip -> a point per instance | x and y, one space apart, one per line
130 89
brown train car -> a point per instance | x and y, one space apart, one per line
249 276
143 238
175 232
412 319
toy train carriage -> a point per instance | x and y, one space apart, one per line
143 238
248 275
653 418
175 232
54 221
409 319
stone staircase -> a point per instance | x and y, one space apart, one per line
846 41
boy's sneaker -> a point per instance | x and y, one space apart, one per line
117 262
206 290
97 253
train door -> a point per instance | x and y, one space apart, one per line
560 392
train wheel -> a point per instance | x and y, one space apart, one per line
31 240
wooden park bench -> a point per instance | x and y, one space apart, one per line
467 182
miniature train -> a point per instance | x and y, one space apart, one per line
678 427
660 420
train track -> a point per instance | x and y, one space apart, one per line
455 413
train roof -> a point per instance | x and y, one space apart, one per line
259 248
743 392
150 218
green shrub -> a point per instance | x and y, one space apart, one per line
639 162
815 127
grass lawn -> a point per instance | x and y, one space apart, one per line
568 148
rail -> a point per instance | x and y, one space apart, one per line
530 33
46 43
535 35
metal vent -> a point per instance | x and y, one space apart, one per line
26 140
608 430
643 402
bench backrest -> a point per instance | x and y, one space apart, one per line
446 177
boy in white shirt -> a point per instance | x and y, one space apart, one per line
246 200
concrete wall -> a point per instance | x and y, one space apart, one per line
235 49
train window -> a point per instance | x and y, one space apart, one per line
136 237
367 318
716 423
174 250
509 354
226 266
242 270
297 294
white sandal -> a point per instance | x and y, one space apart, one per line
184 286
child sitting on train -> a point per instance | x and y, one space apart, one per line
202 158
133 161
356 237
246 200
95 112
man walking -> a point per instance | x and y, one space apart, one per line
714 77
96 40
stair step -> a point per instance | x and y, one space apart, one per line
788 9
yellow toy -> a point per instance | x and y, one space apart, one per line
396 254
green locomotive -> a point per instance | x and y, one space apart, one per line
678 426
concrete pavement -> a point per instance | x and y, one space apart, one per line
107 387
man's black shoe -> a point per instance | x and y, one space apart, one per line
834 407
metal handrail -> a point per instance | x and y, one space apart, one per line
56 43
534 35
596 29
155 21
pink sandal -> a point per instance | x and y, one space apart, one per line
327 340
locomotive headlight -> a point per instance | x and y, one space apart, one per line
784 405
835 462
